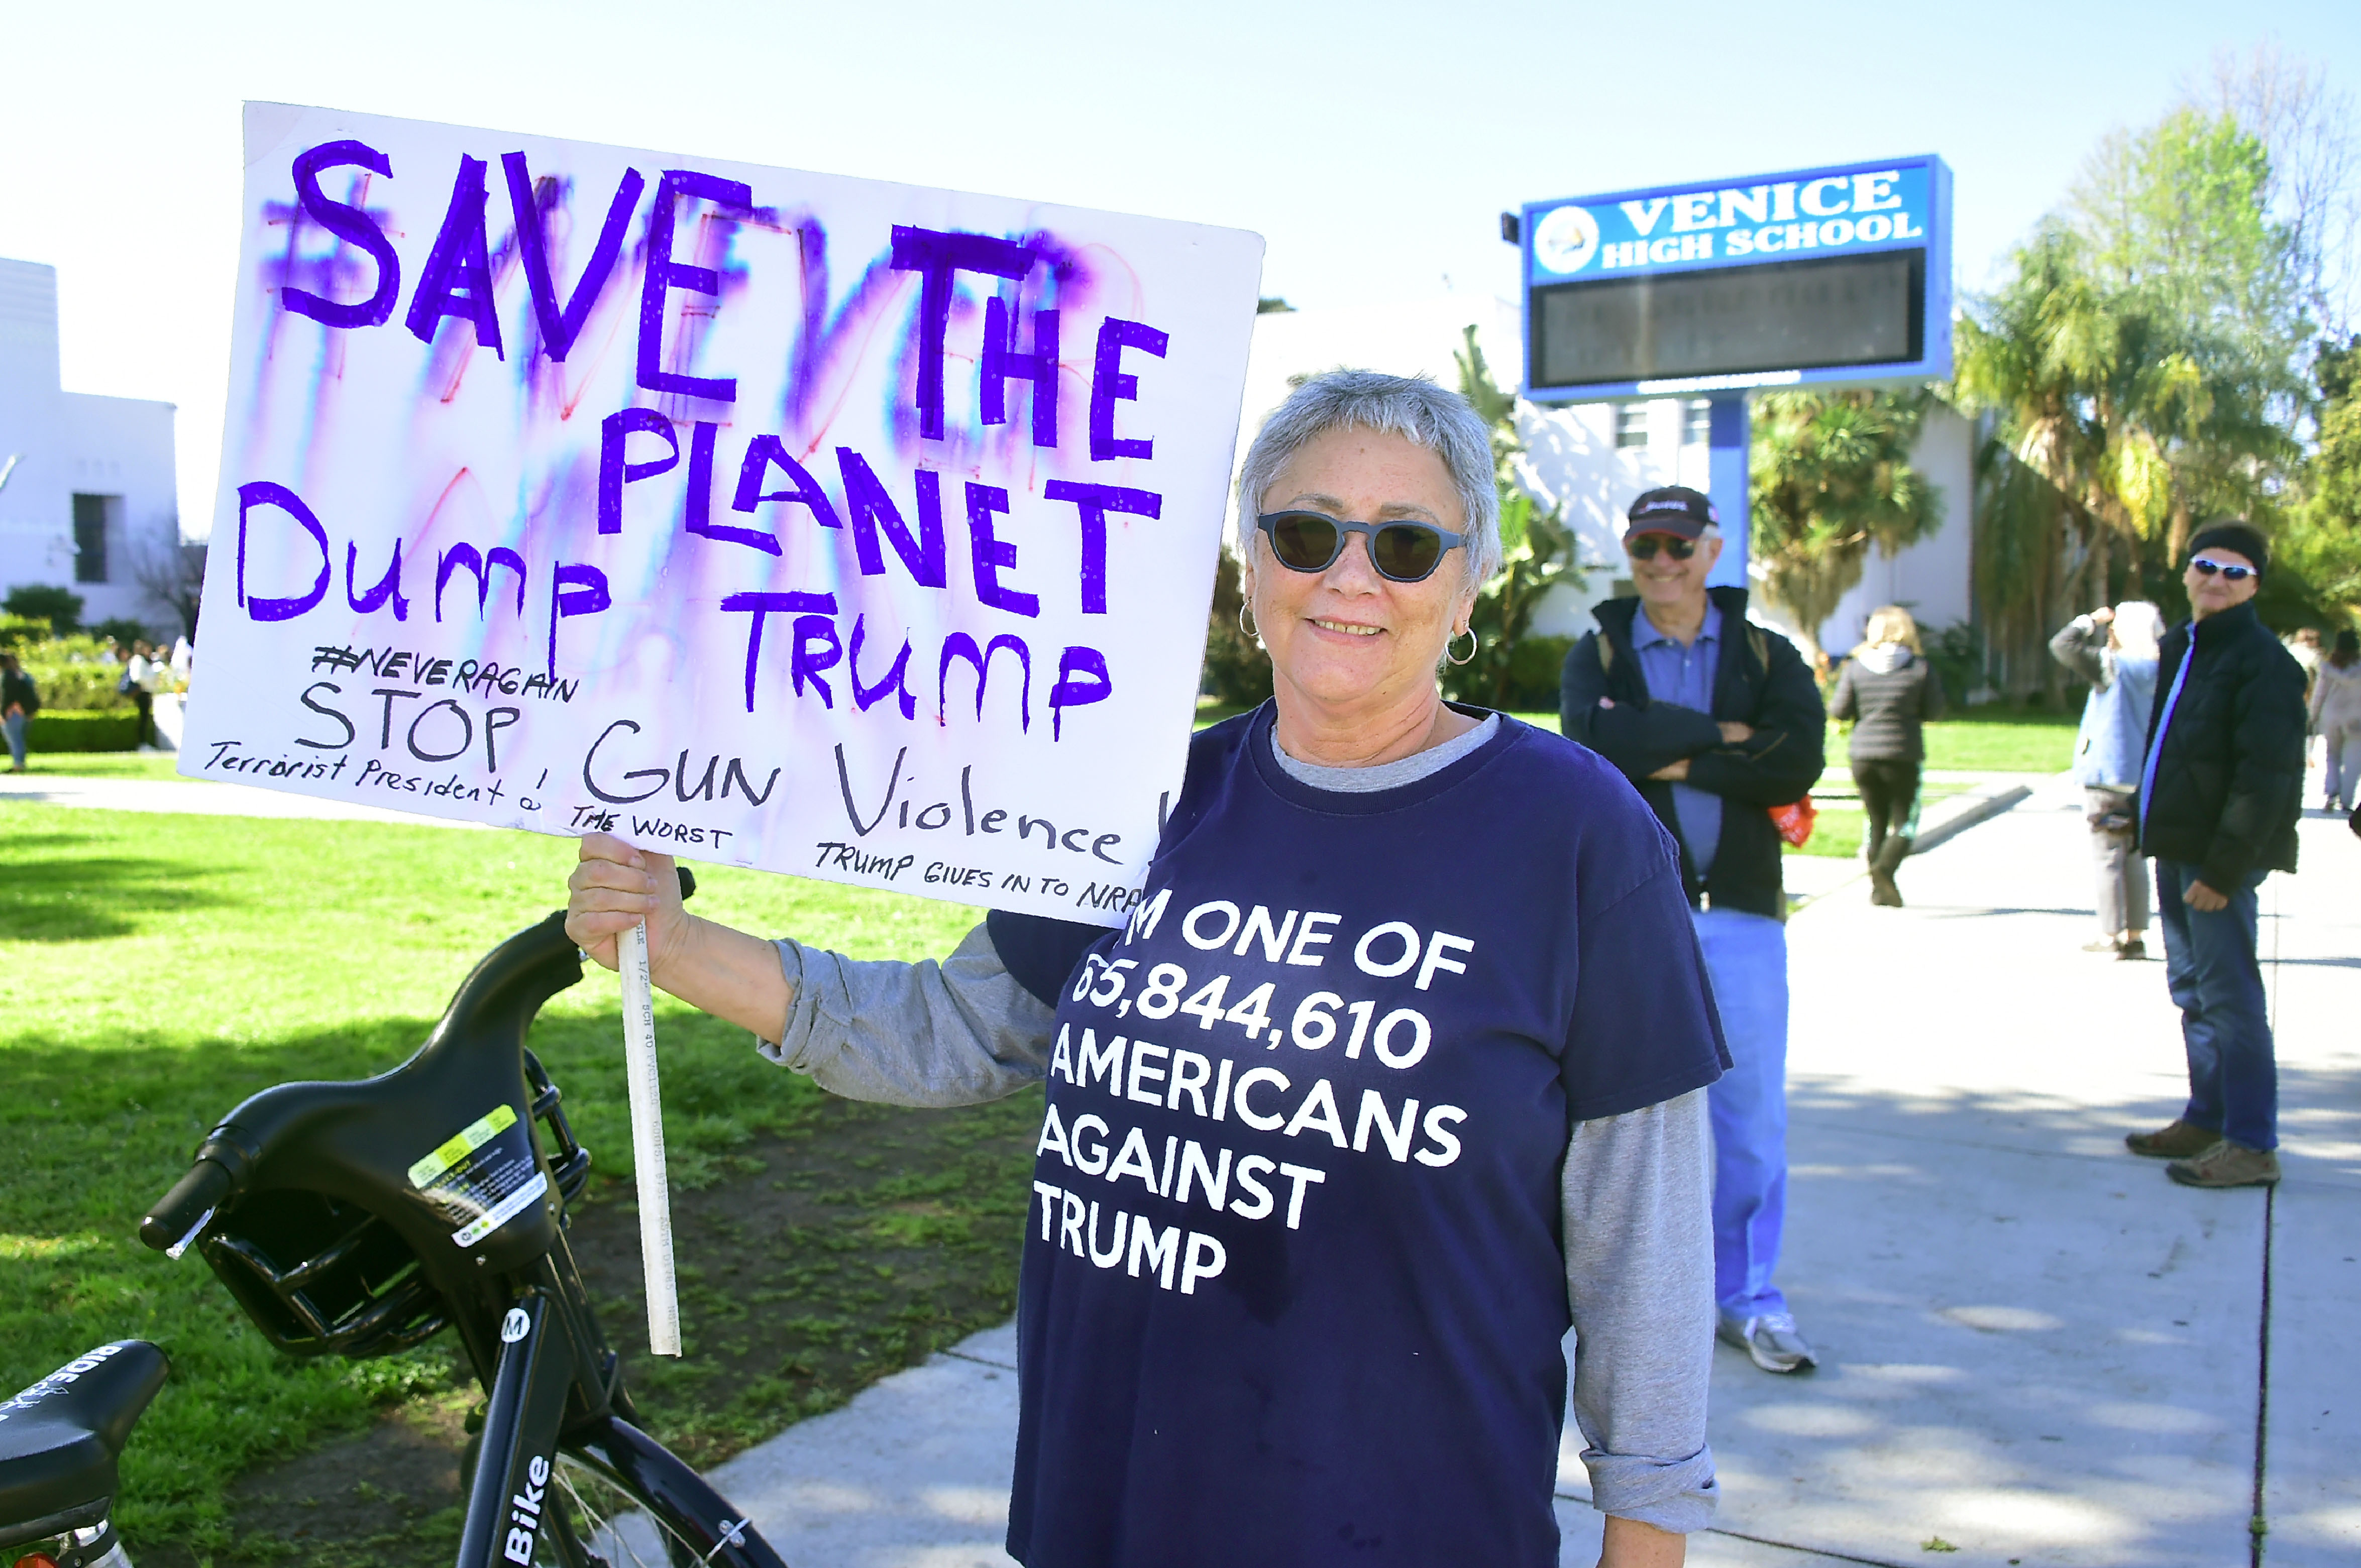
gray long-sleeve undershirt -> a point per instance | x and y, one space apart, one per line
1635 1191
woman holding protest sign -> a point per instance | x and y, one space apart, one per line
1415 1081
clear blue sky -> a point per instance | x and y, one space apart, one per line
1372 144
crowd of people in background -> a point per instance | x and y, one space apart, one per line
145 671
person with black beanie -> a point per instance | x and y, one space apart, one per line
2221 790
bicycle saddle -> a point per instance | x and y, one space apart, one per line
59 1439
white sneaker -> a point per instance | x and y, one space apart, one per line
1771 1339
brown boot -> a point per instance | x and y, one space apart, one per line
2226 1165
2181 1140
1882 867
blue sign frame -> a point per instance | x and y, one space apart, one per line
1844 210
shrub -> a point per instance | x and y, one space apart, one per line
61 608
75 674
1237 670
121 629
16 630
66 730
1536 668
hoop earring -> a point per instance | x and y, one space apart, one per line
1251 633
1471 646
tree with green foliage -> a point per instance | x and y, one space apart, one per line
2141 370
1831 477
2316 568
61 608
1537 553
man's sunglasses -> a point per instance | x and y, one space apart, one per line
2235 574
1311 541
1644 547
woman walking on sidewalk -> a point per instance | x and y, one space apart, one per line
1889 690
2115 651
2336 715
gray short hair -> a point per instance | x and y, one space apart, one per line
1412 407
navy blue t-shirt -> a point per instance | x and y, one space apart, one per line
1293 1290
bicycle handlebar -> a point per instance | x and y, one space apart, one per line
495 1003
191 1200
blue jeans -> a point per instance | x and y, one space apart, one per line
1746 958
15 724
2226 1022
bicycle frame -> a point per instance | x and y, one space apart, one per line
350 1219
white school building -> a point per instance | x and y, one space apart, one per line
87 490
1594 458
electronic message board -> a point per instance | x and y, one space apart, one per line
1839 274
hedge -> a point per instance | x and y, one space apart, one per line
66 730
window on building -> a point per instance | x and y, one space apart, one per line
1696 421
1631 424
89 539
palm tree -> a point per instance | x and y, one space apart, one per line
1831 477
1537 547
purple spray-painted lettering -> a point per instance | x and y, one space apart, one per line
354 227
461 260
762 604
262 492
991 554
560 327
761 453
464 557
664 274
960 645
1002 363
699 512
896 679
614 471
388 587
1092 503
865 498
573 589
802 665
936 257
1109 385
1073 689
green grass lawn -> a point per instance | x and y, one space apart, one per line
1998 741
155 969
1987 740
104 764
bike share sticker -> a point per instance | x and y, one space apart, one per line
483 1177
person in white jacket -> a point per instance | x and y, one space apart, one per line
2336 717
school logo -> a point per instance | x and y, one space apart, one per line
1566 240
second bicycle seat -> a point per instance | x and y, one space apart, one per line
59 1439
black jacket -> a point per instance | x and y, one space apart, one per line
1890 708
1761 681
2229 778
18 690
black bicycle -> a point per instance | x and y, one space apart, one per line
361 1218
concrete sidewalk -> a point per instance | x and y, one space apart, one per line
2036 1349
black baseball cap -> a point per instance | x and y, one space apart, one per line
1676 510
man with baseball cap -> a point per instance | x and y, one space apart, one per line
2221 790
1716 721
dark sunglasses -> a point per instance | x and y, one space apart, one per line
1403 552
1644 547
2235 574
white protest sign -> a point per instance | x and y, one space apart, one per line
835 527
